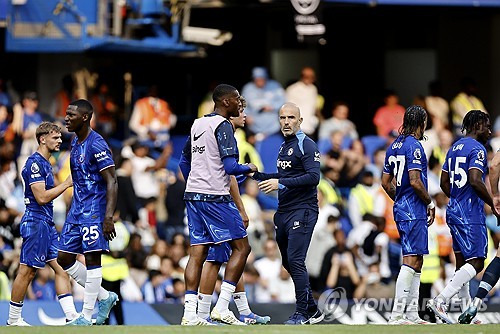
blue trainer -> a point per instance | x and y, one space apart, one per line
105 307
297 319
80 321
254 319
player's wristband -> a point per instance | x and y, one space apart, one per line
431 205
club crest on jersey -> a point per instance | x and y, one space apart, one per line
290 151
417 154
480 156
34 168
81 158
317 157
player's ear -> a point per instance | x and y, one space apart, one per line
300 120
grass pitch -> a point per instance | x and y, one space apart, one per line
269 329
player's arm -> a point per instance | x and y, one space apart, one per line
311 163
476 182
227 150
388 186
235 194
185 162
109 176
494 177
421 191
44 196
444 182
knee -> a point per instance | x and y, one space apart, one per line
242 247
478 264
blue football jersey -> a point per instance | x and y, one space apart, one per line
465 206
37 169
87 160
405 154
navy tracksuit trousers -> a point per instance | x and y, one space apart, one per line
294 230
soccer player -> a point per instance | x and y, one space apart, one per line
492 272
296 181
89 224
40 238
217 255
414 210
207 162
462 180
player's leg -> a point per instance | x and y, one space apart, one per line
414 262
25 275
241 301
411 264
472 242
207 285
228 221
92 284
34 251
490 279
199 237
63 290
63 284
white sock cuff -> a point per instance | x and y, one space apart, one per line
408 269
470 269
73 268
228 287
204 297
94 273
241 293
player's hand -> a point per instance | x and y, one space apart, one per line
253 168
431 213
268 185
496 203
108 228
245 219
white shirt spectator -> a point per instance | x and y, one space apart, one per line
269 271
305 96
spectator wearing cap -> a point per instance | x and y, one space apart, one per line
264 98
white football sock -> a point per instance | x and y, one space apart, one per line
68 306
190 303
464 296
204 303
15 310
403 287
412 302
92 285
240 299
462 276
226 293
79 273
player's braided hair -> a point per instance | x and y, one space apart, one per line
413 120
472 119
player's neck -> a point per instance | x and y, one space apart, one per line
221 112
44 152
83 133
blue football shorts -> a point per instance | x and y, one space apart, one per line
414 236
213 222
40 242
469 239
83 238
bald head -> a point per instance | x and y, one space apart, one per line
290 119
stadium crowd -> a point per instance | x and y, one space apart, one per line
355 244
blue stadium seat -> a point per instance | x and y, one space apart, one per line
268 151
371 144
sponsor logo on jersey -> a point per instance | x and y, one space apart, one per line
480 156
283 164
199 149
196 137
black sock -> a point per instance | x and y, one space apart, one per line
490 278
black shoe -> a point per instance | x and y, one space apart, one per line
316 318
